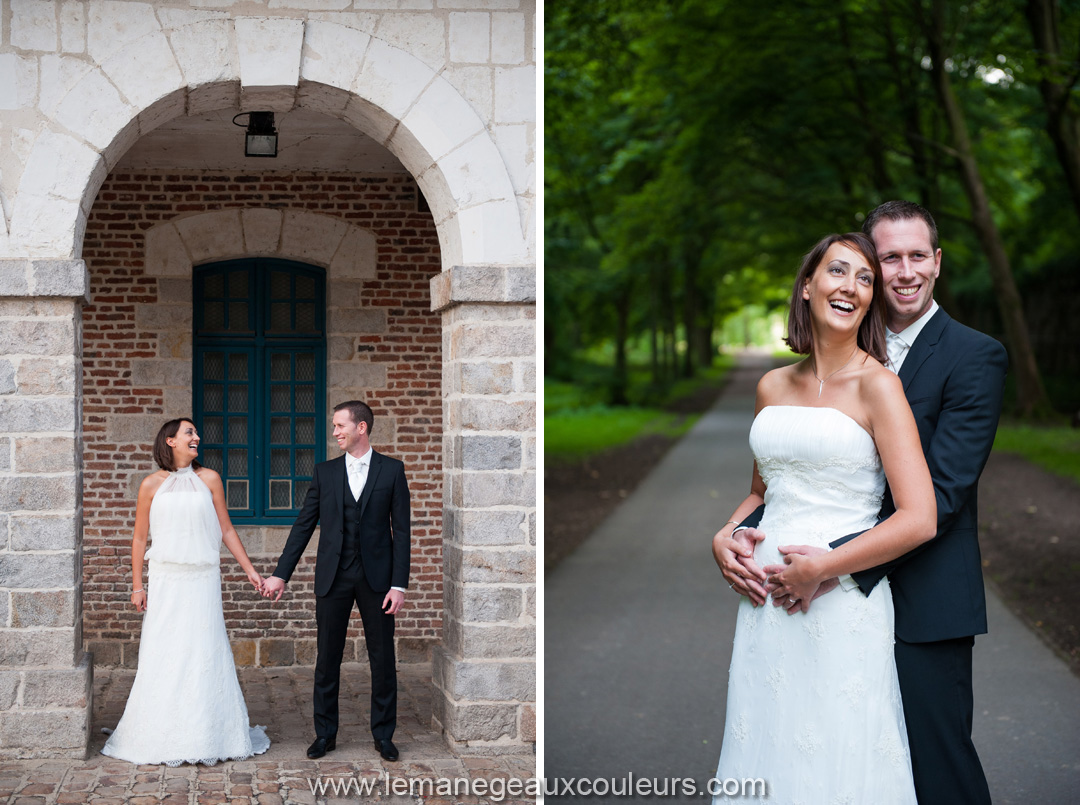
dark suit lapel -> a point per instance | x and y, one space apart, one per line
372 474
337 482
923 347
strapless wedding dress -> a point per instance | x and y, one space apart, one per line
185 705
813 703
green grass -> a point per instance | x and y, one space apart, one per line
1053 449
574 434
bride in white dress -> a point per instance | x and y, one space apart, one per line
813 703
185 705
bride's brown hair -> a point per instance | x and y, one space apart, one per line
871 335
163 456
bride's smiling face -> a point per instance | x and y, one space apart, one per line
840 289
185 444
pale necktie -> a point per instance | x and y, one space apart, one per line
895 347
357 478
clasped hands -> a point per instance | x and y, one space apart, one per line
273 587
792 585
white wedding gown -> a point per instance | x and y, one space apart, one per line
185 705
813 703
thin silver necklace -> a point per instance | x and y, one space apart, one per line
821 383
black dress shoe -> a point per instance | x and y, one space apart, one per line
386 749
321 747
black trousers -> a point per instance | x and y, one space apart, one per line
935 684
332 613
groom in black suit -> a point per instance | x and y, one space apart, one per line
361 502
953 378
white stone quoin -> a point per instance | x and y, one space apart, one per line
447 88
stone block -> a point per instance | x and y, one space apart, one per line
475 174
7 377
60 278
530 602
305 651
274 653
480 722
73 26
211 97
391 78
498 566
9 688
413 650
37 571
490 453
54 454
491 232
106 653
21 647
29 416
55 688
493 340
46 377
37 337
244 652
521 284
470 36
490 681
54 731
145 71
199 50
166 254
507 38
356 376
356 256
262 230
95 109
338 348
5 609
474 82
420 35
527 383
43 533
487 378
130 654
484 414
33 25
515 94
332 53
212 235
527 723
114 24
49 608
492 642
158 318
174 291
475 603
359 321
311 238
14 275
152 372
133 429
269 51
440 122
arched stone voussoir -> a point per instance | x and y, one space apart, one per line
174 247
332 54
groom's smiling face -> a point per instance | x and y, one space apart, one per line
351 436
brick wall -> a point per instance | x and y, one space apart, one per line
403 344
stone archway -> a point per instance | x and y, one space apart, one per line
137 78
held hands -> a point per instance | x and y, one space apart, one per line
273 587
255 579
394 601
735 557
139 600
796 583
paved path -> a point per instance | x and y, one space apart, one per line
279 698
638 630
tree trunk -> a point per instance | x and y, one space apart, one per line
1056 86
620 381
1031 396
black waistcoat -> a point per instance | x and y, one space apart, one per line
350 542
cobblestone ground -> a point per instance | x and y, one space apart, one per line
280 699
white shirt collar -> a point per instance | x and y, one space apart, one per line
911 332
364 460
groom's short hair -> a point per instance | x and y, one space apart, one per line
900 211
360 412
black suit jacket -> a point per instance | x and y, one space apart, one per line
953 378
384 525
